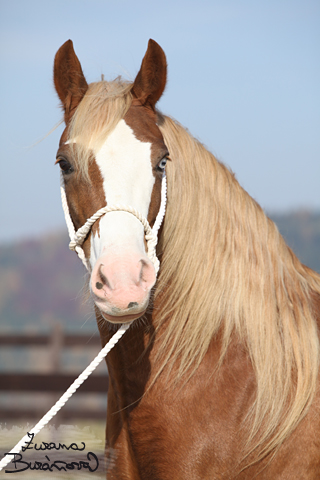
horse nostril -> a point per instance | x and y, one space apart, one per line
132 304
99 286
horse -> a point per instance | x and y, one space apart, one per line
218 375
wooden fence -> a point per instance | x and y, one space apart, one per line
53 381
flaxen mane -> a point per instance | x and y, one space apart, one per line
225 268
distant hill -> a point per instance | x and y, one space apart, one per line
301 230
42 282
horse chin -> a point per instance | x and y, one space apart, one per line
121 318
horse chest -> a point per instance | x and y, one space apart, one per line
183 433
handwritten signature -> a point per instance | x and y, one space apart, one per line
50 446
20 465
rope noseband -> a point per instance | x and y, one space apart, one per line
151 234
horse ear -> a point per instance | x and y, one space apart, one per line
69 80
151 79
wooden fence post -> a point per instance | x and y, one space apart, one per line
56 345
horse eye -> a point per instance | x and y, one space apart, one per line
162 164
65 166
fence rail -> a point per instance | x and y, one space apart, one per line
67 340
53 381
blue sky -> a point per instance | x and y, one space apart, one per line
243 77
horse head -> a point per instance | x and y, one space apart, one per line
124 166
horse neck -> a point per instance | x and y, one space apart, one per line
129 363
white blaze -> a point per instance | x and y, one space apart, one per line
125 166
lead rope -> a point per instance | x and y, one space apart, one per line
77 238
65 397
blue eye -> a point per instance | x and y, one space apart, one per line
162 164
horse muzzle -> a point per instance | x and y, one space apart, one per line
121 285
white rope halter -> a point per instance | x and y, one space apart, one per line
151 234
76 240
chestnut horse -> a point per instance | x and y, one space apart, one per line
217 377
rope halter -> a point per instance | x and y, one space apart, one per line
151 234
